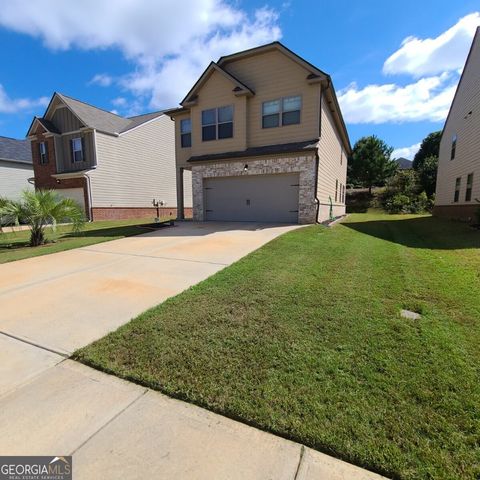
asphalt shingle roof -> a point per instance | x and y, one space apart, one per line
16 150
103 120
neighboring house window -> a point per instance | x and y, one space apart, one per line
336 190
468 193
217 123
454 147
43 152
77 150
186 133
284 111
458 183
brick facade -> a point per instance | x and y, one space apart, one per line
304 165
126 213
43 172
464 213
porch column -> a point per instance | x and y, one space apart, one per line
180 195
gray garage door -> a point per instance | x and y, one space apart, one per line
252 198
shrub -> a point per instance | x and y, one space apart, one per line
399 203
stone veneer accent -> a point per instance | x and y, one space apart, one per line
304 165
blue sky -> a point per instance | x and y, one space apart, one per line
395 65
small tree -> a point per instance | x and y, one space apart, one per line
41 208
427 174
370 164
430 147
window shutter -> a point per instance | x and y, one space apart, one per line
46 152
83 149
71 150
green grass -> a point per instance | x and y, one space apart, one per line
15 245
303 338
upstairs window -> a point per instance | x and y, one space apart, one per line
217 123
468 193
43 150
336 190
454 147
77 150
186 133
458 183
283 111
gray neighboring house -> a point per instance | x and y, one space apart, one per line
15 167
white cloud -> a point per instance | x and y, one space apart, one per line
14 105
119 101
427 99
102 79
430 56
406 152
169 49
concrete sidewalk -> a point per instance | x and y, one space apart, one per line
116 429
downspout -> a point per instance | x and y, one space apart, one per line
89 188
317 157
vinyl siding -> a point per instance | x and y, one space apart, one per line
64 153
14 178
332 165
136 167
467 129
217 92
273 75
65 120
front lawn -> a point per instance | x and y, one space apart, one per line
303 338
15 246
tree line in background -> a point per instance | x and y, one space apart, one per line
405 190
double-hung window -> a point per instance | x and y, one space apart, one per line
454 147
77 150
468 192
458 183
217 123
42 146
336 190
283 111
186 133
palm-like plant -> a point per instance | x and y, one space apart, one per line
39 209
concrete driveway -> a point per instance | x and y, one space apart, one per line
66 300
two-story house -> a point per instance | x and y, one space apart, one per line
458 177
262 133
115 167
15 167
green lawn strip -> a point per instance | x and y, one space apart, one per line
303 338
15 245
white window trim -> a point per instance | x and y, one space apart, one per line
217 123
280 113
81 150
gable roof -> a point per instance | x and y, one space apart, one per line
239 89
94 117
476 38
15 150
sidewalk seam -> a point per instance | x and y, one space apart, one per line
300 461
34 344
109 422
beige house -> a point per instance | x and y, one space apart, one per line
115 167
262 134
458 179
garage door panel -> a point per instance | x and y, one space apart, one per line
252 198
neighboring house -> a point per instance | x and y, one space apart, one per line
404 163
263 135
15 167
458 178
115 167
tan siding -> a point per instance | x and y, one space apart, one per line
65 120
467 130
217 92
273 75
14 178
136 167
182 154
332 163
